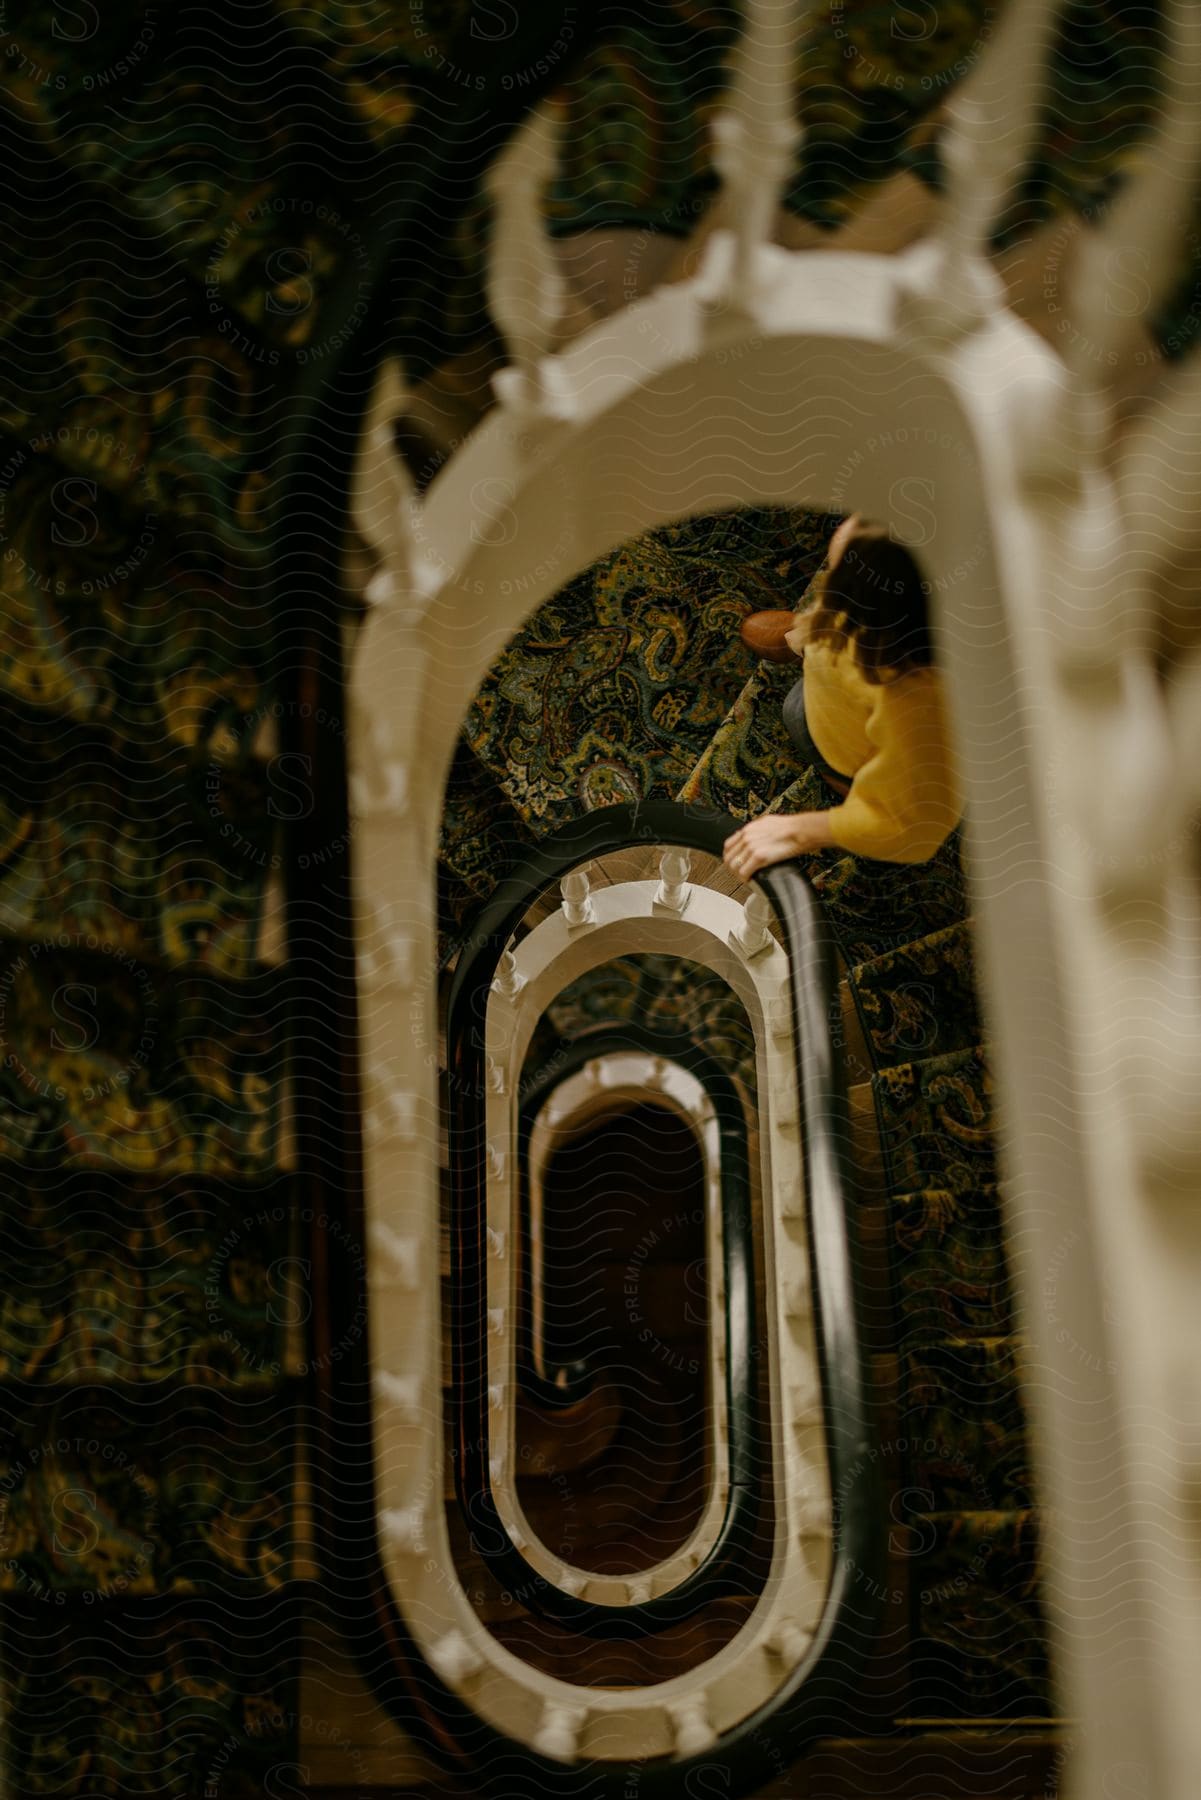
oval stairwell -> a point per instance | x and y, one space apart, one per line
961 1646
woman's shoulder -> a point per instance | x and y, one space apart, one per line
924 679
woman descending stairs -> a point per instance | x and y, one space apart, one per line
632 683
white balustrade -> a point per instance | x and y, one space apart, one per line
1067 649
1135 257
386 510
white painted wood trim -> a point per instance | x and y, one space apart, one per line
844 383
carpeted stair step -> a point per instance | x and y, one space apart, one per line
979 1646
615 688
960 1406
920 1000
947 1253
749 764
1013 1764
935 1118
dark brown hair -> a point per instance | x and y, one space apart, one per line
874 599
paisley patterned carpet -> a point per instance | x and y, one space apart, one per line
180 203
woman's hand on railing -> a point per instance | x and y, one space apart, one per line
775 838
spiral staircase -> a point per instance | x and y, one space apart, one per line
617 1413
149 1646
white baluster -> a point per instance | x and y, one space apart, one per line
508 980
1137 242
391 1112
805 1397
673 890
559 1730
949 286
381 487
404 1527
690 1717
385 507
755 138
788 1643
790 1196
453 1659
495 1075
402 1393
379 786
527 292
751 934
608 1071
517 1536
779 1015
401 1255
385 955
798 1294
577 904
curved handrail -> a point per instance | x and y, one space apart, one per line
855 1580
718 1574
716 1577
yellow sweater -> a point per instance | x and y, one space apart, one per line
893 742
